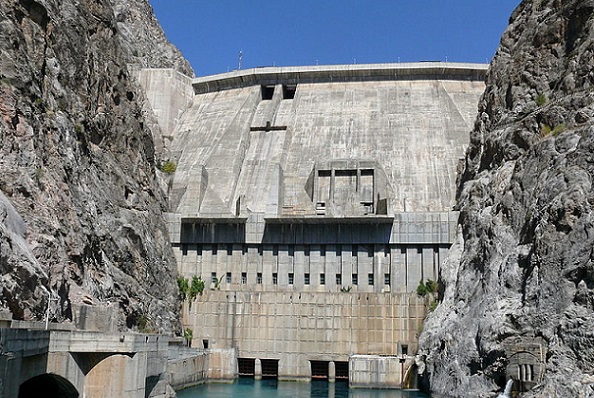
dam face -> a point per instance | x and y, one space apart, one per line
312 201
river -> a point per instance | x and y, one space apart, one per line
250 388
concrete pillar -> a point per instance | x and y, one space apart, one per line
413 267
427 269
257 369
331 372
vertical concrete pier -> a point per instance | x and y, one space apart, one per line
331 372
258 369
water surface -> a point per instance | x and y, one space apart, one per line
249 388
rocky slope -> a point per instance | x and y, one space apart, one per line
80 203
521 270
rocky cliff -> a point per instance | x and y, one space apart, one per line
80 202
517 297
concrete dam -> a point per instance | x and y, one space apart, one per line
312 201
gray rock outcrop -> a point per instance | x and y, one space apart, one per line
522 268
80 204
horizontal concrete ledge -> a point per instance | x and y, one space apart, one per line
340 73
213 220
330 220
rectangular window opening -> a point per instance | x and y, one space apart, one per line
338 279
341 370
319 370
386 279
275 278
289 91
355 279
267 91
246 367
243 278
404 349
320 208
322 279
228 277
306 279
213 277
291 278
370 279
269 368
259 278
345 173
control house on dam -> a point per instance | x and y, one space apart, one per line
312 201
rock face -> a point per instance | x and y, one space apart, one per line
80 203
521 271
142 37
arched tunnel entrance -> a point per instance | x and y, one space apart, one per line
47 385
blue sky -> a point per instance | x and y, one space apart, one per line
211 33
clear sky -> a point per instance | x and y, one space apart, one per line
211 33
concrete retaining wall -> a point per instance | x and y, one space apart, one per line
296 328
188 370
372 371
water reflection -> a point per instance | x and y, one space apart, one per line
249 388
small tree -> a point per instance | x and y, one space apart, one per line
183 286
196 287
431 286
421 289
217 283
188 336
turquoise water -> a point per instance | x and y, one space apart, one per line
249 388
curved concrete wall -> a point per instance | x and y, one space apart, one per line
412 128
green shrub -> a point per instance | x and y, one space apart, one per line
431 286
196 287
558 129
421 289
432 306
541 100
184 287
168 167
143 323
546 130
217 283
188 336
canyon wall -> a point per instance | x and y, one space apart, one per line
81 201
517 292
